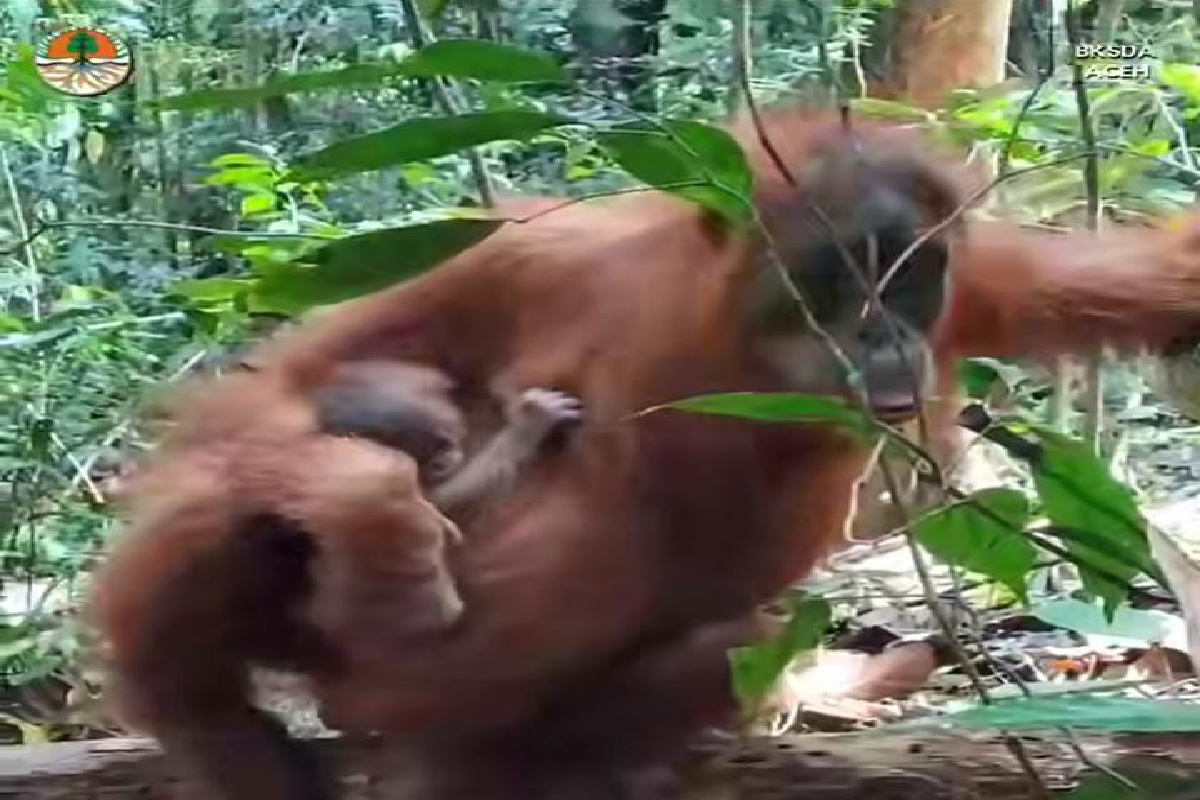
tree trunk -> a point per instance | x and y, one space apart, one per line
1030 48
937 46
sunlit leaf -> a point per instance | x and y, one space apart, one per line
984 535
1183 78
425 138
240 160
249 176
257 204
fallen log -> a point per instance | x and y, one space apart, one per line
880 765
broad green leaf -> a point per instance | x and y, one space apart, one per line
256 204
776 407
10 323
1132 626
757 669
985 535
979 375
23 81
250 177
695 161
463 58
1083 711
240 160
357 76
1156 148
1102 562
425 138
1080 495
368 262
485 61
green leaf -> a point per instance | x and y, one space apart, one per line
1183 78
984 535
889 109
485 61
461 58
210 290
240 160
757 669
249 177
257 204
1079 494
10 323
1105 569
687 153
979 375
1154 779
1081 711
421 139
776 407
368 262
23 80
357 76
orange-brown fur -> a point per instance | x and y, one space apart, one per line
602 592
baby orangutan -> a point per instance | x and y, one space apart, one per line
375 413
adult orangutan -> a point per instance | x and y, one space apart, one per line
602 592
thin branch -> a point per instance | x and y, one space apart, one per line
739 90
27 237
1094 402
950 633
449 99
